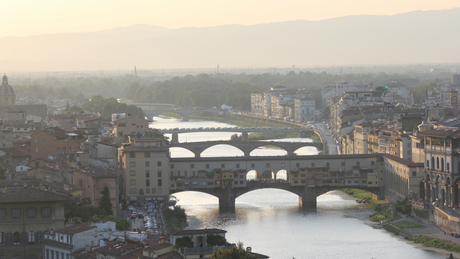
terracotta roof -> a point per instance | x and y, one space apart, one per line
402 161
156 247
100 172
31 194
443 133
170 255
119 248
75 229
198 231
84 255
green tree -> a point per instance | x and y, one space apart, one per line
105 204
231 253
184 242
74 109
80 209
67 106
216 240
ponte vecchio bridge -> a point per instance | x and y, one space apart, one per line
306 176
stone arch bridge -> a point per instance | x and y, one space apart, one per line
246 146
307 195
183 113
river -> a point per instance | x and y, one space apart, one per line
270 221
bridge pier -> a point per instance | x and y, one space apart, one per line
227 199
185 117
308 198
175 138
244 136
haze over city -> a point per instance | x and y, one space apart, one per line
88 35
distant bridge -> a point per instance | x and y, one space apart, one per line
152 104
183 113
246 146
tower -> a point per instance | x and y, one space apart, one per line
7 95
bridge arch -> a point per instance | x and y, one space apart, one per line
308 150
181 152
230 150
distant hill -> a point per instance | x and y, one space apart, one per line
415 37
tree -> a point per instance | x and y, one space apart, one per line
184 242
231 253
216 240
105 204
67 107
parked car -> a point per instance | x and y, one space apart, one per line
133 216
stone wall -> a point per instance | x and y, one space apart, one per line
446 222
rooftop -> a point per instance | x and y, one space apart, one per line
31 194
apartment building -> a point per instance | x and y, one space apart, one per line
145 165
129 126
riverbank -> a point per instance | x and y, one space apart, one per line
422 233
252 121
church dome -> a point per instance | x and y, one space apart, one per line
5 88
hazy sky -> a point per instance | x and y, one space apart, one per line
29 17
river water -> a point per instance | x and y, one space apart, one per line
271 222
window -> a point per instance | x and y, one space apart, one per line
312 164
132 191
267 165
132 155
2 238
414 173
146 154
132 173
147 163
172 166
132 182
237 165
222 165
147 183
159 173
297 164
31 238
253 165
46 213
147 173
343 163
372 163
160 190
159 163
30 213
159 183
2 214
192 166
16 213
328 164
207 166
132 164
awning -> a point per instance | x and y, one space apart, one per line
133 198
148 199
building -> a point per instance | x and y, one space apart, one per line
54 141
26 212
304 109
129 126
65 241
403 177
145 164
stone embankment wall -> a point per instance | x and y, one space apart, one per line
446 222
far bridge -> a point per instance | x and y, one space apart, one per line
246 146
185 114
307 195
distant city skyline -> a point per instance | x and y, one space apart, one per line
28 17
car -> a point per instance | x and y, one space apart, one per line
140 215
133 216
136 230
130 208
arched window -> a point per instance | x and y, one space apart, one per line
437 163
16 238
432 163
442 164
31 238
